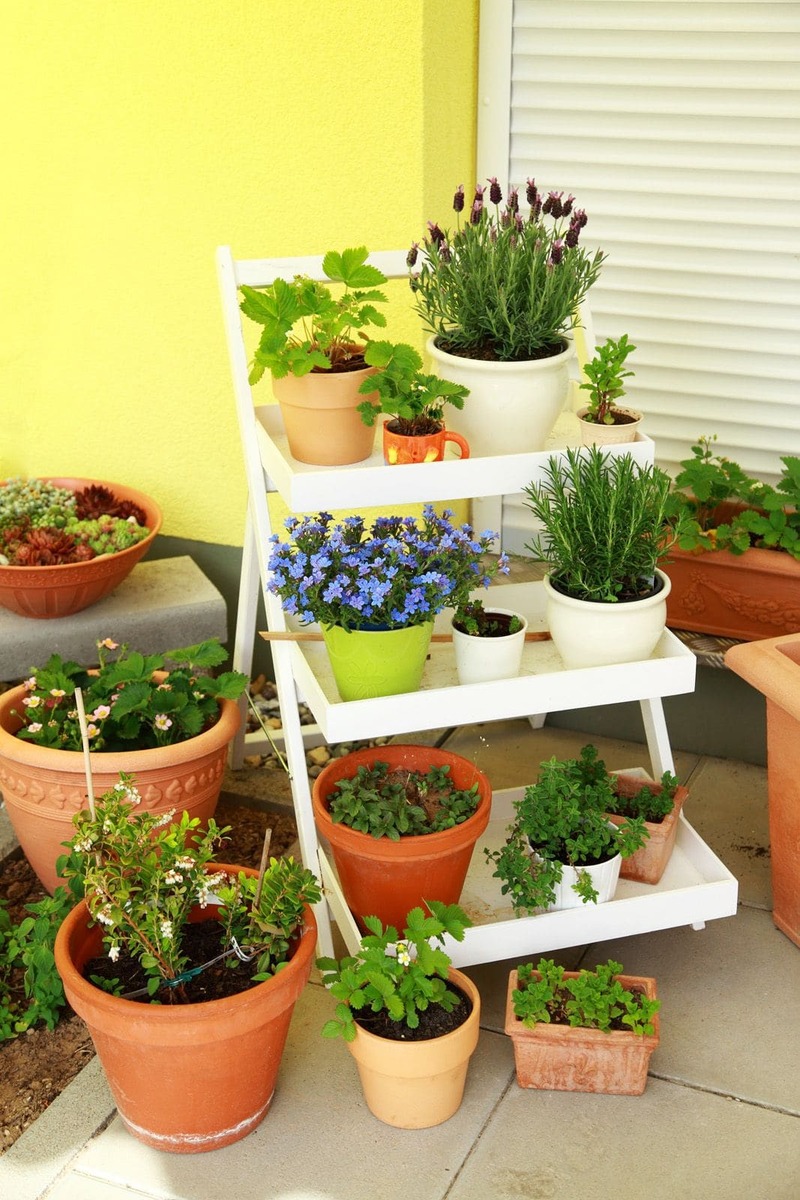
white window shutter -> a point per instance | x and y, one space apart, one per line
677 126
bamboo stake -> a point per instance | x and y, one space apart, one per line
263 866
312 635
87 762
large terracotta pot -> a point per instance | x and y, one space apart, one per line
186 1077
588 633
66 589
321 418
649 862
567 1059
385 878
512 406
43 788
414 1085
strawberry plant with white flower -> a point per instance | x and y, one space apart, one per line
128 707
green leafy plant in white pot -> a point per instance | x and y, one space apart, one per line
499 295
603 421
313 343
604 530
487 642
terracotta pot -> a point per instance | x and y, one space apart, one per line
648 864
384 878
617 434
414 1085
186 1077
588 633
321 418
43 788
773 666
60 591
399 449
566 1059
512 406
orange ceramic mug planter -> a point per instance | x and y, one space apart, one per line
398 449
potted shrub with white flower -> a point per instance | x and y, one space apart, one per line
415 403
162 717
603 421
376 590
499 295
186 971
409 1018
313 343
67 543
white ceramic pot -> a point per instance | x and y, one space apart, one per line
588 633
480 659
593 434
511 406
604 877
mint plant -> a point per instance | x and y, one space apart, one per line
308 328
474 619
402 976
649 803
604 376
30 986
397 803
405 392
592 1000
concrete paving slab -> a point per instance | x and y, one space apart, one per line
318 1141
727 806
729 993
670 1142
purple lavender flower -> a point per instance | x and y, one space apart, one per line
557 252
411 257
437 237
495 193
458 199
531 193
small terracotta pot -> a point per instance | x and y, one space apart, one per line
44 788
321 418
399 449
186 1077
626 430
60 591
385 878
415 1085
649 862
566 1059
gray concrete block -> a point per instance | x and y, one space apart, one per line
162 605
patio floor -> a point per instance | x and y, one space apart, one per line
720 1117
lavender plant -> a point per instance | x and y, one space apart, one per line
397 573
502 286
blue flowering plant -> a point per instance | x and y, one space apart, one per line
401 571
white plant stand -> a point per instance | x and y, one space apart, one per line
695 888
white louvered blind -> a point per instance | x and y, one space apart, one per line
677 126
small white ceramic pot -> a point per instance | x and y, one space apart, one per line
481 659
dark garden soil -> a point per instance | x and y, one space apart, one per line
37 1066
433 1022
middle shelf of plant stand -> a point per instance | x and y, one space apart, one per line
696 887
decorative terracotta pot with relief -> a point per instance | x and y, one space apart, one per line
43 788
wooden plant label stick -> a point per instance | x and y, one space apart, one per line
87 758
262 868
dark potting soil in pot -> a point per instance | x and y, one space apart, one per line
487 352
490 625
636 590
433 1022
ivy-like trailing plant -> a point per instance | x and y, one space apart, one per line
401 976
770 519
30 986
592 1000
561 820
306 327
604 376
395 802
142 876
126 707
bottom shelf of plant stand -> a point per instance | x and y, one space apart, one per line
696 887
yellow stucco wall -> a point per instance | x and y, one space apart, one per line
145 134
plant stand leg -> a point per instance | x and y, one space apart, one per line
655 729
249 587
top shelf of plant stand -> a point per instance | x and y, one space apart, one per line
307 488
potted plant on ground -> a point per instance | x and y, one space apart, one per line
603 421
658 804
376 590
67 543
410 1020
562 851
582 1031
499 295
171 730
488 643
735 570
603 532
402 822
186 972
414 400
312 343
